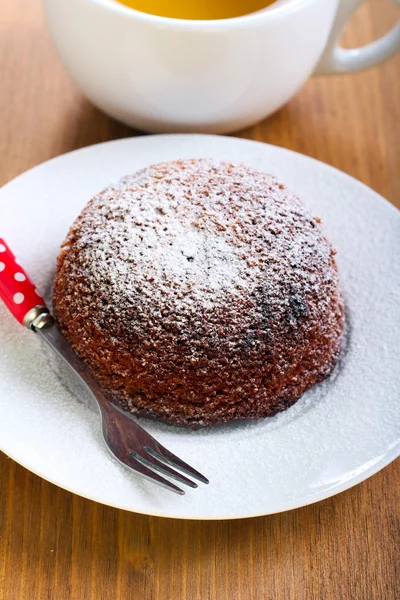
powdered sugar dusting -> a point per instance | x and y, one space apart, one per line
174 232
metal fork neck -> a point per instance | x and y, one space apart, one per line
38 318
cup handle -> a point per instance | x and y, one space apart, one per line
336 59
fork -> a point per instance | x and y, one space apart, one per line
128 442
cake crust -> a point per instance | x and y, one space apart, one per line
200 292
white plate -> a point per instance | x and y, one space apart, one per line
338 434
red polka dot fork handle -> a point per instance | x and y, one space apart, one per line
16 289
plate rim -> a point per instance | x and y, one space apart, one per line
333 491
200 135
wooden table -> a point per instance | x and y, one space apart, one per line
54 545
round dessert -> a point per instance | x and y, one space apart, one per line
199 292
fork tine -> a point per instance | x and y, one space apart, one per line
161 453
144 471
163 469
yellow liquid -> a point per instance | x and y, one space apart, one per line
198 9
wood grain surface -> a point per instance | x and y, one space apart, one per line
54 545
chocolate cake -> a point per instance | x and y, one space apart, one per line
199 292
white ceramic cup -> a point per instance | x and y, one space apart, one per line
163 75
